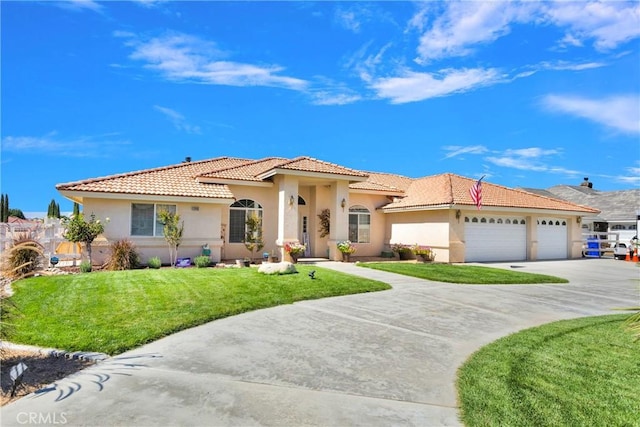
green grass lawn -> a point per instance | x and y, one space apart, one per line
470 274
583 372
111 312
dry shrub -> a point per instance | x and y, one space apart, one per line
23 258
123 256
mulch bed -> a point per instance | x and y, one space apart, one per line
42 370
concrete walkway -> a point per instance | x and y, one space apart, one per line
377 359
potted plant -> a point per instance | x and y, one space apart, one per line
403 251
346 248
295 250
425 253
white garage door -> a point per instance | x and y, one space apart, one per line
494 238
552 238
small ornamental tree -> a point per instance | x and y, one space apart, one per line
253 240
77 230
76 209
172 231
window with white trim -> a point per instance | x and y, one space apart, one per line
359 224
238 214
145 220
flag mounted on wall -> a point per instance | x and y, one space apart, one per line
476 193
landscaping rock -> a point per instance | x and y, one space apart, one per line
284 267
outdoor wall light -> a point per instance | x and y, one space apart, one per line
579 219
292 200
343 203
458 213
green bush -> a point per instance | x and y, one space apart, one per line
154 262
202 261
123 256
85 267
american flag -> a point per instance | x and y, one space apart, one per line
476 193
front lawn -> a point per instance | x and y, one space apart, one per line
111 312
583 372
470 274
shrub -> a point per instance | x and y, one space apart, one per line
123 256
85 267
202 261
154 262
23 258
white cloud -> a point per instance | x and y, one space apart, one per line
79 5
463 26
621 113
348 20
178 120
530 159
412 86
457 150
609 24
182 57
50 144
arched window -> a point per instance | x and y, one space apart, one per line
301 201
359 224
492 221
483 220
499 220
238 214
508 221
474 219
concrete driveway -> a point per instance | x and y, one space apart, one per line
379 359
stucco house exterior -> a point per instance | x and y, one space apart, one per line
373 210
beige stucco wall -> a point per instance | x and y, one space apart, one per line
201 226
430 228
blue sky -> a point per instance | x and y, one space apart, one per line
529 94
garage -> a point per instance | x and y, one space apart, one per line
494 238
552 238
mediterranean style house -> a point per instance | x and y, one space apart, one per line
374 210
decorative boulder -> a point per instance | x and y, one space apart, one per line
284 267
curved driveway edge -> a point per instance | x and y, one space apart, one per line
376 359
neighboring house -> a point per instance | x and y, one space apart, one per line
619 210
374 210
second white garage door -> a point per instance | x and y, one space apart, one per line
552 238
493 238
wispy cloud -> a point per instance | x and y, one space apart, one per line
412 86
464 26
531 159
621 113
51 144
186 58
178 120
457 150
608 24
79 5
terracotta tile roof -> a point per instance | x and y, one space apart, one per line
257 170
451 189
308 164
175 180
383 182
247 171
185 179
